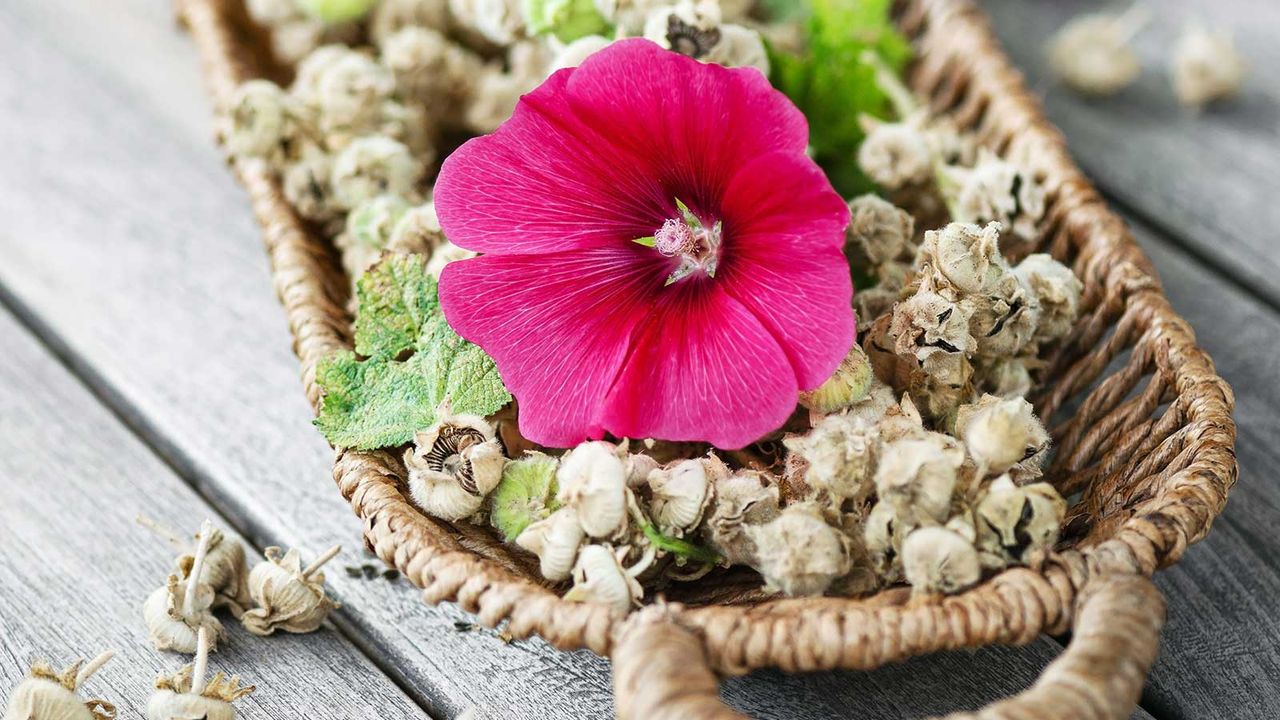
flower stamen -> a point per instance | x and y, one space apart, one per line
686 238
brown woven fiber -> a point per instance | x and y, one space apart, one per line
1141 422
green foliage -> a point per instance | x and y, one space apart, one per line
832 85
568 20
525 495
678 547
333 12
376 397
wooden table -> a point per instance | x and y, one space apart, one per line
146 370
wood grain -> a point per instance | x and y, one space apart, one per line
76 567
1206 179
149 279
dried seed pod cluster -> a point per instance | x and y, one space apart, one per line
189 694
47 694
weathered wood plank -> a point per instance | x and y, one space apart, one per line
1205 179
150 280
76 567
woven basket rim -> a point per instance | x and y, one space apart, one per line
966 74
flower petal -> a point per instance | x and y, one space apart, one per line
558 327
702 368
784 261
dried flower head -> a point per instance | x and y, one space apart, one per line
1206 66
1015 523
881 535
895 154
454 465
1004 320
368 232
743 499
1057 291
289 597
372 166
879 232
500 22
307 188
917 477
1000 433
391 16
1005 378
614 336
593 481
432 71
995 190
224 570
350 90
966 257
681 493
689 27
799 553
1092 55
189 694
555 540
939 560
50 695
840 455
599 577
175 613
260 121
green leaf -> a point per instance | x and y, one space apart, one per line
377 397
568 20
525 495
832 84
679 547
334 12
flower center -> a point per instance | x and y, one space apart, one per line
692 243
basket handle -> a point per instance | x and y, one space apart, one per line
661 670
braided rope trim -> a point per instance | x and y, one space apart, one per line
1154 470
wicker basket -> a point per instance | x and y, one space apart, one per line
1145 445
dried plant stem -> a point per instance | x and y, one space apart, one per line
202 661
94 666
319 562
197 564
169 535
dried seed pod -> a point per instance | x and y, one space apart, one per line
525 495
799 553
368 232
498 90
1091 54
879 232
1004 321
928 324
260 121
688 27
743 499
418 231
917 476
1015 523
880 534
1057 291
895 155
289 597
372 166
681 494
391 16
938 560
593 481
1006 378
188 694
995 190
177 612
999 433
555 540
739 46
454 465
432 71
306 185
1206 66
350 91
848 386
50 695
965 257
224 570
599 577
500 22
840 455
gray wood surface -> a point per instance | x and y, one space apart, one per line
129 248
76 567
1208 180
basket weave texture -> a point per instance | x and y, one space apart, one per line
1143 432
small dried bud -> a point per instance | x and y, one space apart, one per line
49 695
681 494
1091 54
189 694
289 597
741 500
895 155
392 16
432 71
799 553
1006 378
927 324
966 257
369 228
687 27
306 186
500 22
917 476
260 121
177 612
938 560
293 40
599 577
454 465
555 540
995 190
848 386
1015 522
373 166
879 232
841 456
1206 66
593 481
224 570
999 434
350 90
1057 291
1005 320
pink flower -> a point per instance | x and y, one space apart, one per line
659 256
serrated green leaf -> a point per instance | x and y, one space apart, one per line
376 397
525 495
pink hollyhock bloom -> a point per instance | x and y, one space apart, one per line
659 256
